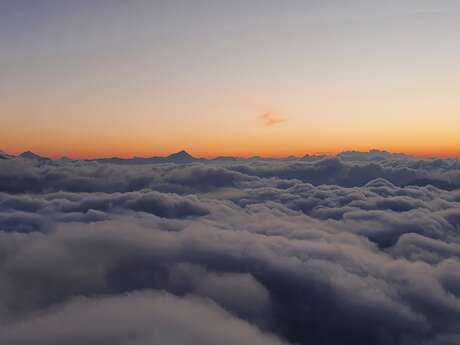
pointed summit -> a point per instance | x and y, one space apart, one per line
181 157
31 155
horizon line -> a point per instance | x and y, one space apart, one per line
236 156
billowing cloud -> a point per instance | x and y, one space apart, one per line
140 318
352 250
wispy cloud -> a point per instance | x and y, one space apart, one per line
270 119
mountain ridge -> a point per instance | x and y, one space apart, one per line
184 157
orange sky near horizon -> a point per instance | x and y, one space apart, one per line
276 149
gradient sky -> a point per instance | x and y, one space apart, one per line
102 78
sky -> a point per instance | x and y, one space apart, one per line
92 79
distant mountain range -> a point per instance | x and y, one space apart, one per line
372 155
183 157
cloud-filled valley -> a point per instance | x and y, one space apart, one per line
359 248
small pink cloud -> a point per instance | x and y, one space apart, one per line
270 119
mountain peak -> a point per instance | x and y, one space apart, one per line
31 155
181 157
180 153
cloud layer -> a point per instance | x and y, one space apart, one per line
356 249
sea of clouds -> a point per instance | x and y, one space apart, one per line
345 250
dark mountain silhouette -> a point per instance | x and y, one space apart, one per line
372 155
181 157
31 155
